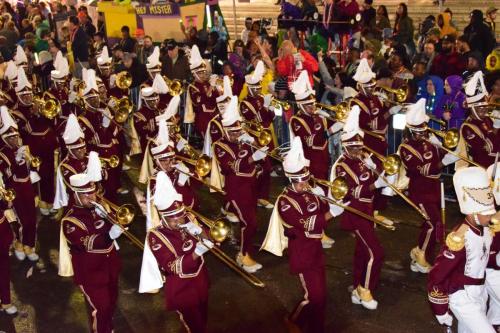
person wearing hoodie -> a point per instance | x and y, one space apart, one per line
445 28
450 106
479 34
448 61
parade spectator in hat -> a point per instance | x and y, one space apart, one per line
448 61
479 34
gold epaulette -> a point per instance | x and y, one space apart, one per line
455 241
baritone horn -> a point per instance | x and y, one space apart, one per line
7 194
49 106
391 164
123 80
264 136
202 163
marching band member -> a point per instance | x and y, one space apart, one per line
144 119
456 281
304 217
104 64
424 160
24 106
20 59
94 257
201 92
6 238
40 137
373 118
60 89
482 140
10 82
363 182
14 165
254 111
237 163
178 245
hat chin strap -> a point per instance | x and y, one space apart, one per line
474 112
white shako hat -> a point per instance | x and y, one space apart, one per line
94 167
90 83
416 119
255 78
301 88
104 60
496 181
153 60
171 110
8 126
162 146
61 68
475 90
196 62
167 200
228 90
81 183
231 117
11 71
352 135
23 85
148 93
473 189
159 85
73 135
364 74
20 57
295 165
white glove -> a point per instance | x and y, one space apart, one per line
336 210
380 182
369 163
498 259
267 100
72 97
112 81
213 80
445 319
112 103
449 159
20 154
323 113
391 179
395 109
181 144
34 177
496 118
259 154
183 178
338 126
106 118
435 141
317 190
192 228
100 210
115 231
278 111
203 247
245 137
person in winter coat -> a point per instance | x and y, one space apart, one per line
479 34
451 105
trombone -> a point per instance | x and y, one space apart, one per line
7 194
202 163
450 141
339 188
400 95
113 161
283 104
201 180
121 216
391 163
218 232
264 136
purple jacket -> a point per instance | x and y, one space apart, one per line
453 102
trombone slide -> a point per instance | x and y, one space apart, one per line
204 182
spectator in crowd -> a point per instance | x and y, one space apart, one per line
216 52
403 29
292 61
127 43
432 94
39 25
445 28
176 63
42 44
353 58
475 63
191 35
495 89
237 81
463 47
144 48
424 28
25 27
479 34
237 58
420 76
11 35
491 16
427 56
368 15
5 52
448 61
79 46
381 21
86 24
451 105
246 30
99 42
218 26
448 10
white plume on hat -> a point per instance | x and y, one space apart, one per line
22 80
232 114
171 110
94 167
61 66
364 73
301 88
7 120
72 132
473 189
104 58
257 75
295 160
351 127
349 92
159 85
195 59
415 114
20 57
154 58
496 181
90 82
162 140
147 91
11 70
228 90
475 89
165 193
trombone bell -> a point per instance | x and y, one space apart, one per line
391 164
219 231
112 161
7 194
450 137
125 214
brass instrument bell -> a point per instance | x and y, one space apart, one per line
123 80
341 110
450 137
283 104
125 214
338 187
7 194
264 136
219 231
113 161
392 164
174 86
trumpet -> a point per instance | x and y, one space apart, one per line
123 80
219 231
391 164
49 106
451 138
283 104
113 161
7 194
202 163
174 86
264 136
121 216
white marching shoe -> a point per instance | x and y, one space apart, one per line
363 297
326 242
247 263
9 309
418 262
264 203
